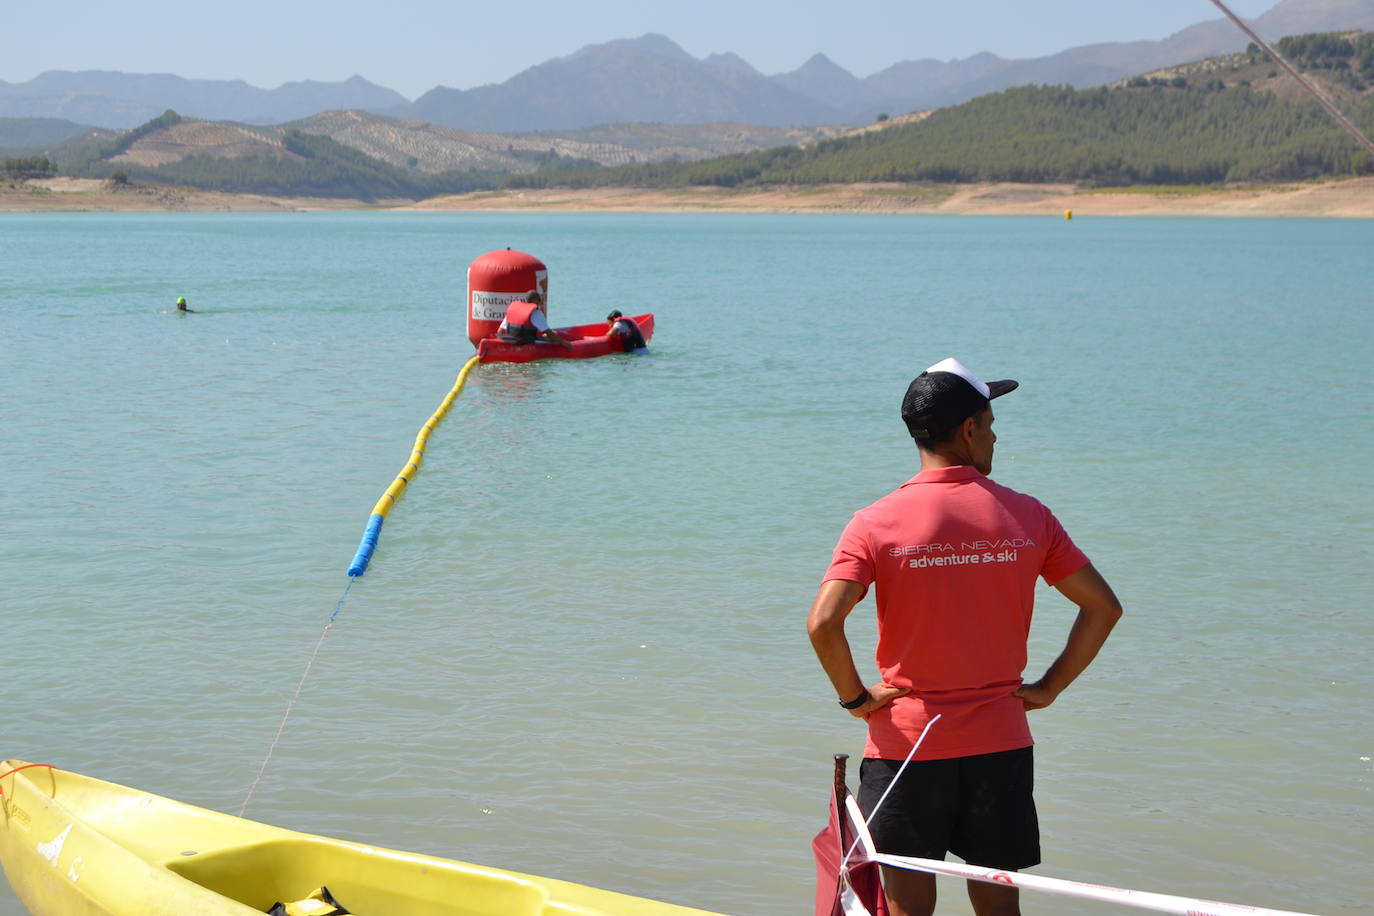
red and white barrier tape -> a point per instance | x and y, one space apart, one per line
1145 900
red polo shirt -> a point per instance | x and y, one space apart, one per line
955 558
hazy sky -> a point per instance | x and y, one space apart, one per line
414 45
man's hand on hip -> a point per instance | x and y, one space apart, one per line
879 695
1036 696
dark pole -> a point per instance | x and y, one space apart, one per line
841 790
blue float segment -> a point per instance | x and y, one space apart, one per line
371 533
393 492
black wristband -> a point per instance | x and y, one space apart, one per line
858 701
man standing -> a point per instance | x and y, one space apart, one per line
954 558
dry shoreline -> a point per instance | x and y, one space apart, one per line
1349 198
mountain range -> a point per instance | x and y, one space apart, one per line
652 80
1227 118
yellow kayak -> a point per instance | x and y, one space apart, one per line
76 846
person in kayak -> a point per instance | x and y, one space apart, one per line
954 559
526 323
631 338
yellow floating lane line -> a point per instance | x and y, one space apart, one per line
388 499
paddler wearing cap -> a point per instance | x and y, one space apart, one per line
954 559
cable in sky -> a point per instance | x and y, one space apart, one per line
1310 87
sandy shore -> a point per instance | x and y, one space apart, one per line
1351 198
83 195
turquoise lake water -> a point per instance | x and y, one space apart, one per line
580 649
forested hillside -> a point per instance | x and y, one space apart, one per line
1207 123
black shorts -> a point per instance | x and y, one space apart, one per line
980 808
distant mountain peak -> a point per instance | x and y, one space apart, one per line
820 66
822 79
648 43
982 57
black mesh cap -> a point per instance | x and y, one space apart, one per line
944 396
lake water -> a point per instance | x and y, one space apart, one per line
580 650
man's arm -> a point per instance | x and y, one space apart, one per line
541 326
825 626
554 337
1098 612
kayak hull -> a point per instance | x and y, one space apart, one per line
588 341
76 846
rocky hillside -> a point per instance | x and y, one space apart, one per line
354 153
412 143
201 138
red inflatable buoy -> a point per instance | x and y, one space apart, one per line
497 279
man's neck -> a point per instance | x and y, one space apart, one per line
932 461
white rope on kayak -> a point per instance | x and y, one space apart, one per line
294 697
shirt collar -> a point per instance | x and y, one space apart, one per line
946 475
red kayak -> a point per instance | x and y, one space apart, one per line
588 340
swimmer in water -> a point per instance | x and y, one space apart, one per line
181 305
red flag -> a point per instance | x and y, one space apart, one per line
854 890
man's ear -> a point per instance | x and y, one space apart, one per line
968 429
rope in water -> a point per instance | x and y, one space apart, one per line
364 554
271 749
373 531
